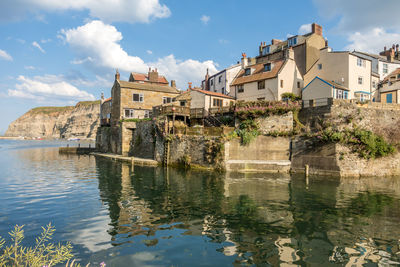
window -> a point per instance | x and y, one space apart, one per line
320 66
261 99
138 98
240 88
223 90
360 62
182 103
292 41
219 79
129 113
373 84
385 68
360 80
281 83
266 50
217 102
267 67
261 85
147 114
212 82
340 94
298 85
166 99
247 71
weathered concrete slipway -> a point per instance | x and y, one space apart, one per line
266 153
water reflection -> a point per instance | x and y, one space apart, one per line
150 216
259 219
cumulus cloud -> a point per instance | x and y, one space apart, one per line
106 10
4 55
98 45
372 41
205 19
29 68
149 52
35 44
49 88
304 29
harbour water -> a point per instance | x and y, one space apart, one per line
142 216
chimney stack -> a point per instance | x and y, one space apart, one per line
173 83
275 41
290 53
317 29
190 85
206 82
153 76
245 60
117 76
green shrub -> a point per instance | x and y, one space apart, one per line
248 131
42 254
290 96
366 143
135 120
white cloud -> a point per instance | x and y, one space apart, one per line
149 52
360 15
43 41
372 41
4 55
205 19
97 45
223 41
35 44
304 29
106 10
49 88
29 68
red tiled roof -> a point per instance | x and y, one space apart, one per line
212 93
258 74
144 78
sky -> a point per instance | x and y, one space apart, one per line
59 52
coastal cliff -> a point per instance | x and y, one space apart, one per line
79 121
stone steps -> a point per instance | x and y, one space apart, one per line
271 166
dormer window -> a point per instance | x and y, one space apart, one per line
292 41
266 50
247 71
267 67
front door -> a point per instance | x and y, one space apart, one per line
389 98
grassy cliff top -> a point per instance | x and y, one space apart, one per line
50 110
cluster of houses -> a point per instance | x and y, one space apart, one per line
303 65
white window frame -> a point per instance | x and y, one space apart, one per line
147 113
360 80
240 88
141 98
360 62
131 113
385 68
165 99
266 50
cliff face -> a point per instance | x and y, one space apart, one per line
79 121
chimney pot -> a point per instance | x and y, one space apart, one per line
190 85
117 75
244 55
173 83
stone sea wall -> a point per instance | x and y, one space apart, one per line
80 121
338 159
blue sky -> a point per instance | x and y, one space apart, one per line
62 51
